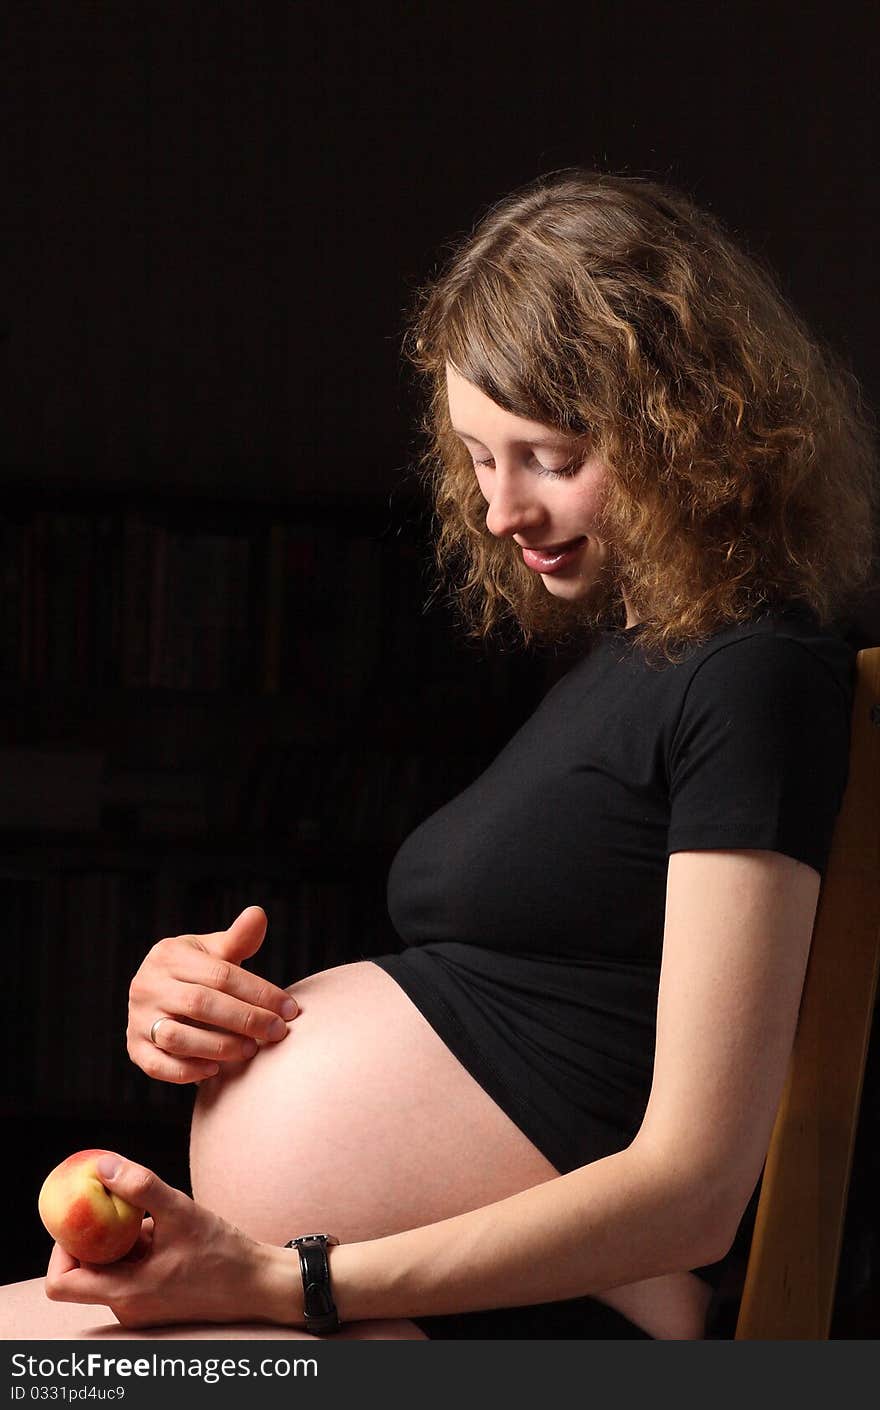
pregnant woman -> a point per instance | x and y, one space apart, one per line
548 1115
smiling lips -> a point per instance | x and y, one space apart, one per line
553 556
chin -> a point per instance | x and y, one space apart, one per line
571 590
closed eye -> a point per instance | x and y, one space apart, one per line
571 467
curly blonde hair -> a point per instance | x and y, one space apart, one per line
741 462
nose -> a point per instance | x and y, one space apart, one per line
513 507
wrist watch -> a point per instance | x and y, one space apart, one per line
321 1316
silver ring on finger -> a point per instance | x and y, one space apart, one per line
155 1024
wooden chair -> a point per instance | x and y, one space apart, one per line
791 1276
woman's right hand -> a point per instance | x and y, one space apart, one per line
214 1010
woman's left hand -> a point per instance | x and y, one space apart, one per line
188 1264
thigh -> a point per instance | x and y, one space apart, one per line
26 1314
361 1122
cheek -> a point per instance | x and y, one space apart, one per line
584 505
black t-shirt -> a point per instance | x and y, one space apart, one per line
532 904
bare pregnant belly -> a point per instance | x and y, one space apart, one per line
362 1122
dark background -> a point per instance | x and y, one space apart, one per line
214 219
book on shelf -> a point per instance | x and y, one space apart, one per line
158 602
66 572
113 977
360 618
51 943
167 639
21 904
274 612
12 599
102 667
311 572
139 538
80 989
199 619
36 560
242 663
229 782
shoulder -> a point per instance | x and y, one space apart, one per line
774 665
757 753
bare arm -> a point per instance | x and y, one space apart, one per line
736 941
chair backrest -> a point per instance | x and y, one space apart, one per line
791 1276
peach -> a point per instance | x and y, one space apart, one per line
89 1222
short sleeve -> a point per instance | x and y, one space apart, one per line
760 755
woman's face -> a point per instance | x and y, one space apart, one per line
541 490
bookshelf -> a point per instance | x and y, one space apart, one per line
204 706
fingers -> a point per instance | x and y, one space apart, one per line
60 1263
66 1280
243 938
204 1027
185 1052
217 1008
185 959
86 1282
141 1187
177 1071
191 1043
225 982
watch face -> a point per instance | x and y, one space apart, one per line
309 1238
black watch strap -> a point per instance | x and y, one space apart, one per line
319 1308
